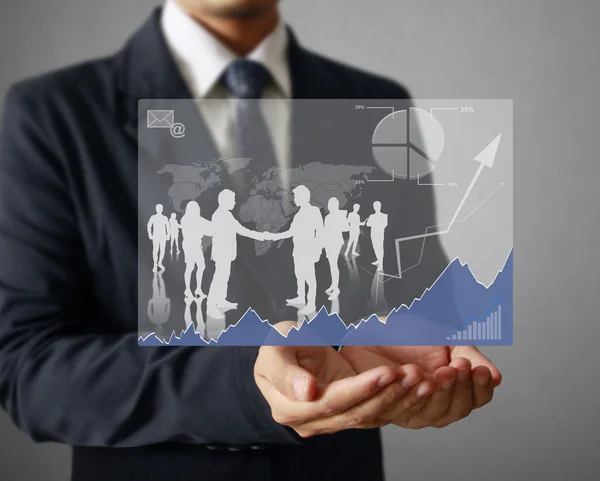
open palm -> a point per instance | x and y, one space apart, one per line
316 390
464 378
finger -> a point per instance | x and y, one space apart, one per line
336 398
434 408
343 394
462 401
483 386
445 377
439 403
402 394
408 416
474 355
279 366
413 401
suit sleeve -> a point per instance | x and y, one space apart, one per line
63 380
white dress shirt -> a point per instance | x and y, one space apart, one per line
202 59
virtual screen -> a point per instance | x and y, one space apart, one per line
325 222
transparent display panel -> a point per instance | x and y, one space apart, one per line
325 222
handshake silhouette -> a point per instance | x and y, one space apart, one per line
268 236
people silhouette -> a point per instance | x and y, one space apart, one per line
159 306
378 222
193 228
225 229
305 231
355 223
158 233
336 223
174 233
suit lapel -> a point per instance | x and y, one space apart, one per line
147 71
309 83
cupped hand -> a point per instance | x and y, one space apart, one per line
315 390
464 378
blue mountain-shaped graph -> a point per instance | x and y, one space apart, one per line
452 303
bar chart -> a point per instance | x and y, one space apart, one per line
489 329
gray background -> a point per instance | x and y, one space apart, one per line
544 421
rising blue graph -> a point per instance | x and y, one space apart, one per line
456 309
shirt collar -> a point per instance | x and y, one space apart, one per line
202 58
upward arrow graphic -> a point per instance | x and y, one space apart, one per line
486 159
488 155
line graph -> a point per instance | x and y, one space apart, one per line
447 223
486 159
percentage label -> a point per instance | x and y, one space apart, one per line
467 110
359 107
360 182
453 184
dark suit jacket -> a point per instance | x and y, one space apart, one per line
71 370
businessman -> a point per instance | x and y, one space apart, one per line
226 229
194 228
70 367
305 232
174 229
378 222
158 232
355 223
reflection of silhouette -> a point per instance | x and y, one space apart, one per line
355 223
215 325
335 306
333 240
193 228
158 233
305 232
377 302
174 233
159 307
224 251
378 222
353 272
200 326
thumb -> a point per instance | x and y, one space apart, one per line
279 365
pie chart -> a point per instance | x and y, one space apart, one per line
407 144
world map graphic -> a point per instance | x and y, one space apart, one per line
269 206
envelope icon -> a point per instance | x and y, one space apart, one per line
160 119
